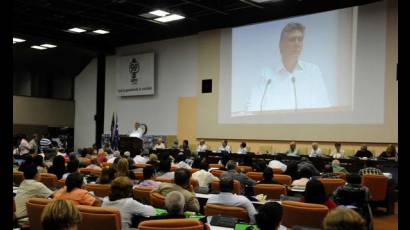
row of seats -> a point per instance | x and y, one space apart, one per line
102 218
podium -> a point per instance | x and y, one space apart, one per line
131 144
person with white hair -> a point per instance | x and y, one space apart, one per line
337 168
315 151
159 145
202 147
114 156
175 203
138 159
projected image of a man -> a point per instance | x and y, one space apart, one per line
294 84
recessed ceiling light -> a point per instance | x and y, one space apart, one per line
38 47
48 45
159 13
77 30
101 31
15 40
169 18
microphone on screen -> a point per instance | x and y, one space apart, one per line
294 92
264 92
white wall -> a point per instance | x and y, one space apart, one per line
176 75
85 93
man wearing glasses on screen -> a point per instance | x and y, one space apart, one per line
293 85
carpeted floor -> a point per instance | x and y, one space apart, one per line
386 222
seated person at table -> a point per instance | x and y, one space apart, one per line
149 175
337 168
363 152
242 148
269 216
293 151
124 170
241 177
315 151
342 218
60 215
226 197
224 147
174 203
204 177
305 174
159 145
180 161
277 164
165 169
185 147
73 191
182 185
175 145
390 153
58 167
121 198
338 152
268 177
107 176
315 194
370 169
29 188
202 147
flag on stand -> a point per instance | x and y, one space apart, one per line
112 130
116 143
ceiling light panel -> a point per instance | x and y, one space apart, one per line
159 13
48 45
15 40
101 31
77 30
38 47
172 17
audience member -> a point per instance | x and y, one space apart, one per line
24 146
115 155
174 203
39 163
269 216
241 177
258 165
277 164
226 196
60 215
305 174
328 172
149 175
338 152
315 151
175 144
153 160
268 177
185 147
121 198
123 169
159 144
315 193
30 187
305 163
165 169
180 161
94 164
73 191
204 177
343 219
337 168
107 176
58 167
139 159
363 152
182 185
34 142
293 151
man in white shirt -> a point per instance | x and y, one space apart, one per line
202 146
226 197
24 146
224 147
138 131
293 85
159 145
138 159
338 152
29 188
315 151
293 151
34 143
204 177
114 156
242 148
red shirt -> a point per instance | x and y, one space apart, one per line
329 203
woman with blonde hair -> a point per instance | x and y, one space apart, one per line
60 215
123 169
343 219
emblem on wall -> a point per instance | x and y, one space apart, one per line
134 68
